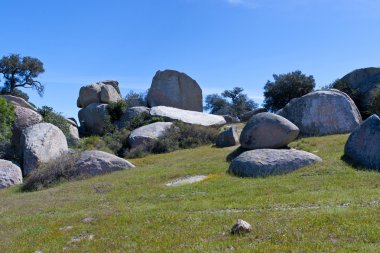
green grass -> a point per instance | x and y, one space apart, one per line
328 207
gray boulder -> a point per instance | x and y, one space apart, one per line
190 117
130 113
113 83
73 139
364 81
241 227
144 136
231 119
266 162
17 101
93 118
24 118
10 174
72 122
248 115
89 94
268 130
108 94
41 143
175 89
94 163
363 145
228 138
323 113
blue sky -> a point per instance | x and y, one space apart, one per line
220 43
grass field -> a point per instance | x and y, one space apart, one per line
328 207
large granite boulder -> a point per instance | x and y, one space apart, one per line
190 117
113 83
93 118
10 174
131 113
41 143
268 130
102 92
175 89
24 118
323 113
17 101
144 136
266 162
92 163
364 82
248 115
228 138
363 145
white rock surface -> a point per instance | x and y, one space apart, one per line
10 174
190 117
146 135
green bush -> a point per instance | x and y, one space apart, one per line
7 117
55 118
54 172
94 143
116 110
375 103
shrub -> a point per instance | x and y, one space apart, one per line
54 172
143 119
116 110
94 143
286 87
16 93
136 99
7 117
55 118
375 103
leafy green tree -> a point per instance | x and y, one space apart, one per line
286 87
7 117
21 72
232 102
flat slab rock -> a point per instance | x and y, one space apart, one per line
187 180
190 117
267 162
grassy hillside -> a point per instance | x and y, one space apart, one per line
322 208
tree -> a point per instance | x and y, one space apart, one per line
231 102
21 72
374 107
286 87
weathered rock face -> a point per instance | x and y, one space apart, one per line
130 114
17 101
363 145
144 136
93 118
268 130
175 89
73 139
228 138
98 93
24 118
266 162
248 115
323 113
10 174
364 81
190 117
41 143
94 163
113 83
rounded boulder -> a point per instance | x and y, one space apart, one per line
10 174
268 130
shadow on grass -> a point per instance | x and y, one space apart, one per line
356 165
238 151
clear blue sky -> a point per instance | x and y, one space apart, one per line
220 43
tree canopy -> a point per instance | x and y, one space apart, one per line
286 87
21 72
231 102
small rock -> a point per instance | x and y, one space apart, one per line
186 180
88 220
228 138
241 227
67 228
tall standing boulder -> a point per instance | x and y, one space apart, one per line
94 118
41 143
268 130
174 89
323 113
363 145
10 174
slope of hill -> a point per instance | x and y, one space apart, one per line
329 206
